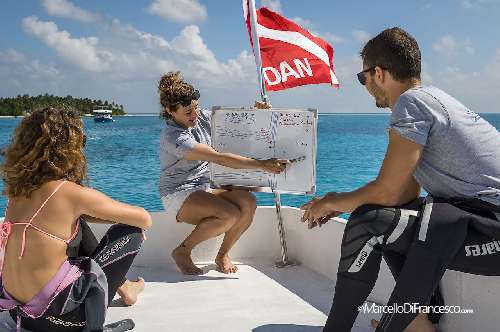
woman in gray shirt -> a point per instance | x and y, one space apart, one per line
185 151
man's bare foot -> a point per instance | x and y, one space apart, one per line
130 290
421 323
225 265
182 257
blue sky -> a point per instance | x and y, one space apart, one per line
117 50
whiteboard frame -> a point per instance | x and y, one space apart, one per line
314 111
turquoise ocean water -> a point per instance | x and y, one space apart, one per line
123 157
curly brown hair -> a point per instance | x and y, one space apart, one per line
46 146
172 88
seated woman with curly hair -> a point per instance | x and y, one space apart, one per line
185 151
50 281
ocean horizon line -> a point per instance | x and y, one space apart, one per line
321 113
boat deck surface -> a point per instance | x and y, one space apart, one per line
259 298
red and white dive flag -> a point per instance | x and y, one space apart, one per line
286 54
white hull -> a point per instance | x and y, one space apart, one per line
263 298
318 252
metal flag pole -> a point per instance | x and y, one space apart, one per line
281 229
256 49
277 199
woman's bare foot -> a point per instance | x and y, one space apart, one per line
130 290
182 257
225 265
421 323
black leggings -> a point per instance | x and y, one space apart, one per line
114 254
419 241
90 247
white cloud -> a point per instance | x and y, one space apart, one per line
477 88
449 46
303 22
334 39
135 37
12 56
123 52
361 36
25 75
202 62
189 42
309 25
180 11
346 69
476 4
494 67
426 76
64 8
274 5
467 4
83 52
469 49
123 63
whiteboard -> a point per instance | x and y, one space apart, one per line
263 134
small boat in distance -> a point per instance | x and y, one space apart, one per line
102 114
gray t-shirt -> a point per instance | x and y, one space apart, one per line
178 173
461 156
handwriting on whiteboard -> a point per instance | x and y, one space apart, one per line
282 134
240 118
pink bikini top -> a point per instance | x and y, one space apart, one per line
5 227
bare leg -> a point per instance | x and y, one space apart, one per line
212 216
246 203
130 290
206 229
421 323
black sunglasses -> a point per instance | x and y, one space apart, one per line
186 100
362 77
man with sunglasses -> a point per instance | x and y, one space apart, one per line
435 143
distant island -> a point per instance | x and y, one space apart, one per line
22 104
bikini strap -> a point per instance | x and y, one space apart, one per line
23 243
75 233
48 198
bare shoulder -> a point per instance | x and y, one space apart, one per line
70 187
83 195
77 196
54 186
75 192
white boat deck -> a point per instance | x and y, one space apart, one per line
259 298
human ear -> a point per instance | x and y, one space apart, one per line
379 74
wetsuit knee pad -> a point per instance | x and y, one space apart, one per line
118 231
366 231
119 240
372 220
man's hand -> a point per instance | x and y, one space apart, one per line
318 211
262 105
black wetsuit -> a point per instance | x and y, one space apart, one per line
81 305
419 241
